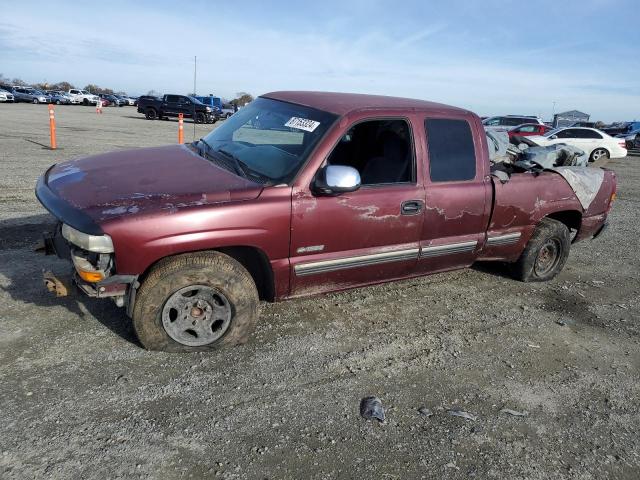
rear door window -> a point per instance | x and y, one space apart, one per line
452 156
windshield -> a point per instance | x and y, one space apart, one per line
270 138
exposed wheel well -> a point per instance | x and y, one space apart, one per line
571 218
253 259
257 264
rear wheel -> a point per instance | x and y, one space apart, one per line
545 254
57 102
599 154
150 114
195 302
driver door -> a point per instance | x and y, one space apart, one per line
367 236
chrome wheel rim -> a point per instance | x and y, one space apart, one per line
196 315
599 153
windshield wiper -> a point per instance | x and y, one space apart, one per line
209 147
238 164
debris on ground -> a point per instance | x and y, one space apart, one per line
371 407
514 413
425 411
461 413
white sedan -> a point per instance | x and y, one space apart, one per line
594 143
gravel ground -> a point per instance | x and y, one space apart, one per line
81 399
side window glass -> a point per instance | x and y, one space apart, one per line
590 134
381 150
452 155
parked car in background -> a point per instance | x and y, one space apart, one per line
29 95
621 128
172 105
189 238
227 111
58 98
631 139
212 101
6 97
114 100
505 122
127 100
528 129
82 97
595 143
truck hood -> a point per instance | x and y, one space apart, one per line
140 182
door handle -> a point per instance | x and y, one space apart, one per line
411 207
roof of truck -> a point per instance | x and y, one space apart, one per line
343 103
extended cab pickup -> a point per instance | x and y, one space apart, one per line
173 105
302 193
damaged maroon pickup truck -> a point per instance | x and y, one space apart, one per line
303 193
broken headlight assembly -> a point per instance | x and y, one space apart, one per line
90 243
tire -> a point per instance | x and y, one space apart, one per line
57 102
163 294
545 254
150 114
85 102
200 118
599 154
35 101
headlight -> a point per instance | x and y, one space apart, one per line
208 109
91 243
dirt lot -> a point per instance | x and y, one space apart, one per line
80 399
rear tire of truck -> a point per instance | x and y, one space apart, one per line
150 114
545 254
196 302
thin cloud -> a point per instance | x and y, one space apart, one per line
421 35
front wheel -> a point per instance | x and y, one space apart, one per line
195 302
545 254
150 114
85 102
35 100
57 102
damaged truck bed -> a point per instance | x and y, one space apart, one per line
304 193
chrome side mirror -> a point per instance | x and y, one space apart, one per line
336 179
553 137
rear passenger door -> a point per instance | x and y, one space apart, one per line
458 193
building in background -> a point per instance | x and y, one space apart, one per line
566 119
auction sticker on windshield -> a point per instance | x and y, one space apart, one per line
302 124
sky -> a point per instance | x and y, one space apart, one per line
493 57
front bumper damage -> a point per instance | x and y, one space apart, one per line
120 288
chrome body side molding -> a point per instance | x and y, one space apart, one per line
448 249
353 262
507 239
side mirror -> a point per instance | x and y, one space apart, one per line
553 137
336 179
